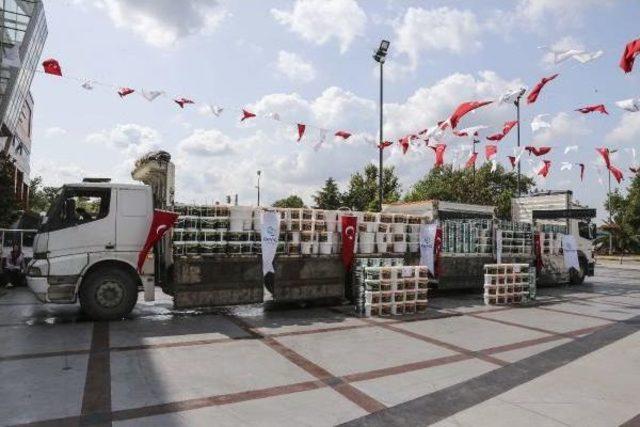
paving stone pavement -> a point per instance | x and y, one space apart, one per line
571 359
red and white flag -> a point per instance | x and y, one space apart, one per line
604 152
52 66
463 109
533 95
124 91
505 130
385 144
404 143
490 151
600 108
439 152
629 55
537 151
543 171
183 101
343 134
349 228
161 223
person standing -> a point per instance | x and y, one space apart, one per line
15 266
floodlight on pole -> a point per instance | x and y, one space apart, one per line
380 56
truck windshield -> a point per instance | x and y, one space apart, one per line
75 206
585 230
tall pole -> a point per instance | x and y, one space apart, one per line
517 102
258 186
380 145
610 222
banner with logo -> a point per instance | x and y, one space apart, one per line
570 250
269 235
428 246
349 228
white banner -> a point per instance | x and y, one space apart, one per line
427 245
269 234
570 250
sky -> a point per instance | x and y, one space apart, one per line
310 61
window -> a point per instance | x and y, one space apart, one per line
78 206
586 230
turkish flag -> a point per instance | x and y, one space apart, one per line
537 151
349 228
404 143
385 144
490 151
51 66
463 109
533 95
301 129
505 130
182 101
617 173
512 160
439 152
600 108
544 170
629 55
162 221
437 247
124 91
472 161
604 152
343 134
246 115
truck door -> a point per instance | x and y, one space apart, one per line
82 223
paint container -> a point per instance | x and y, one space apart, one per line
320 226
398 296
307 214
421 306
422 295
397 309
386 285
410 283
385 218
410 296
423 283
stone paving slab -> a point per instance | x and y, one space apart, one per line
40 389
147 377
544 319
471 333
292 321
522 353
358 350
595 308
24 340
322 407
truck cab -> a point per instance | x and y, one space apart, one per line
87 248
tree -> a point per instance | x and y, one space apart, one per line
8 201
328 197
292 201
481 187
362 193
40 198
624 228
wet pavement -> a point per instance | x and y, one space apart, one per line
573 358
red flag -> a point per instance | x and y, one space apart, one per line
490 151
505 130
537 151
162 221
600 108
301 129
512 160
182 101
437 247
544 170
124 91
349 227
460 134
51 66
581 170
617 173
246 115
404 143
472 161
343 134
385 144
604 152
439 152
463 109
533 95
629 55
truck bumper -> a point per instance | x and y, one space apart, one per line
39 286
591 269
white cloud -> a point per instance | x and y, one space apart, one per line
55 132
442 29
55 174
206 143
566 129
294 67
319 21
627 131
162 23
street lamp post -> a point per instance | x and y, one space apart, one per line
380 57
517 104
610 223
258 186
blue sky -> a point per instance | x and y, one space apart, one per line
310 61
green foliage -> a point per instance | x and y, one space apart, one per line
328 197
292 201
8 202
481 187
624 227
40 198
362 193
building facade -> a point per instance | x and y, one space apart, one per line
23 31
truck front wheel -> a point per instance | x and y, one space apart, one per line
576 277
108 294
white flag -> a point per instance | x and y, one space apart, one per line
512 95
269 236
570 148
427 245
88 85
150 95
585 57
322 138
12 57
566 166
632 104
538 123
494 165
518 152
